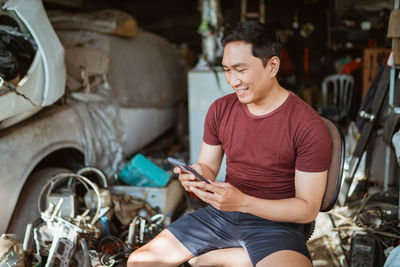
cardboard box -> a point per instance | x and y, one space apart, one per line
396 50
373 59
166 198
394 24
394 32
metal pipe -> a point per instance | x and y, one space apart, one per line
391 100
98 172
85 252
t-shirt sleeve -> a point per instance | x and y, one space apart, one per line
210 136
313 148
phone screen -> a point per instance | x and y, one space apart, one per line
185 167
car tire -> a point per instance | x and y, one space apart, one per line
26 210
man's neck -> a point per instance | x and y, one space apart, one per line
275 98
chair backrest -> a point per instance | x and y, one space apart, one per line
341 87
335 171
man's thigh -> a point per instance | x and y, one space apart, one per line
163 250
285 258
226 257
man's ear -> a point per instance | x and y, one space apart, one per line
274 64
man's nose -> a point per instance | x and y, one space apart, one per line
234 80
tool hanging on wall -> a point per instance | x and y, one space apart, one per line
260 15
370 119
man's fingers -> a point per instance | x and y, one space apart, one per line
188 183
186 177
211 187
221 184
203 195
220 187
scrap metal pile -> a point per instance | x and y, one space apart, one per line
83 223
369 229
363 233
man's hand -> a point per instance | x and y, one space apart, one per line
188 179
220 195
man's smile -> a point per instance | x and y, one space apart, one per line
242 90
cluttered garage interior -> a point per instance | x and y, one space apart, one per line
111 113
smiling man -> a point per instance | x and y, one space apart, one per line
278 152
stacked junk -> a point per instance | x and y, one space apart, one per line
82 218
84 221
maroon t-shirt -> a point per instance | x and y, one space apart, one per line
262 152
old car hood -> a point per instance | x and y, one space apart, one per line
44 82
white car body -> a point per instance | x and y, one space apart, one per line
27 144
45 136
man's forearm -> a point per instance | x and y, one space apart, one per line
294 210
207 172
302 208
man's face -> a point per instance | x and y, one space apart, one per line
246 73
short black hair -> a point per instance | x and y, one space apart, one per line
264 40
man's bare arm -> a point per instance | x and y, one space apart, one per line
210 159
303 208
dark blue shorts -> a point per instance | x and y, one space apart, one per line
208 229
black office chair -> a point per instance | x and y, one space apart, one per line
335 172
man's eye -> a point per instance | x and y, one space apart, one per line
227 70
241 70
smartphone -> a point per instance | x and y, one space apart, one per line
186 168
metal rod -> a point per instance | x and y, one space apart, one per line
388 155
244 10
396 6
391 101
262 11
388 149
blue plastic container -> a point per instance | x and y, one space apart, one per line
140 171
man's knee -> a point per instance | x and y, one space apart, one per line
163 250
132 261
142 257
285 258
147 257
